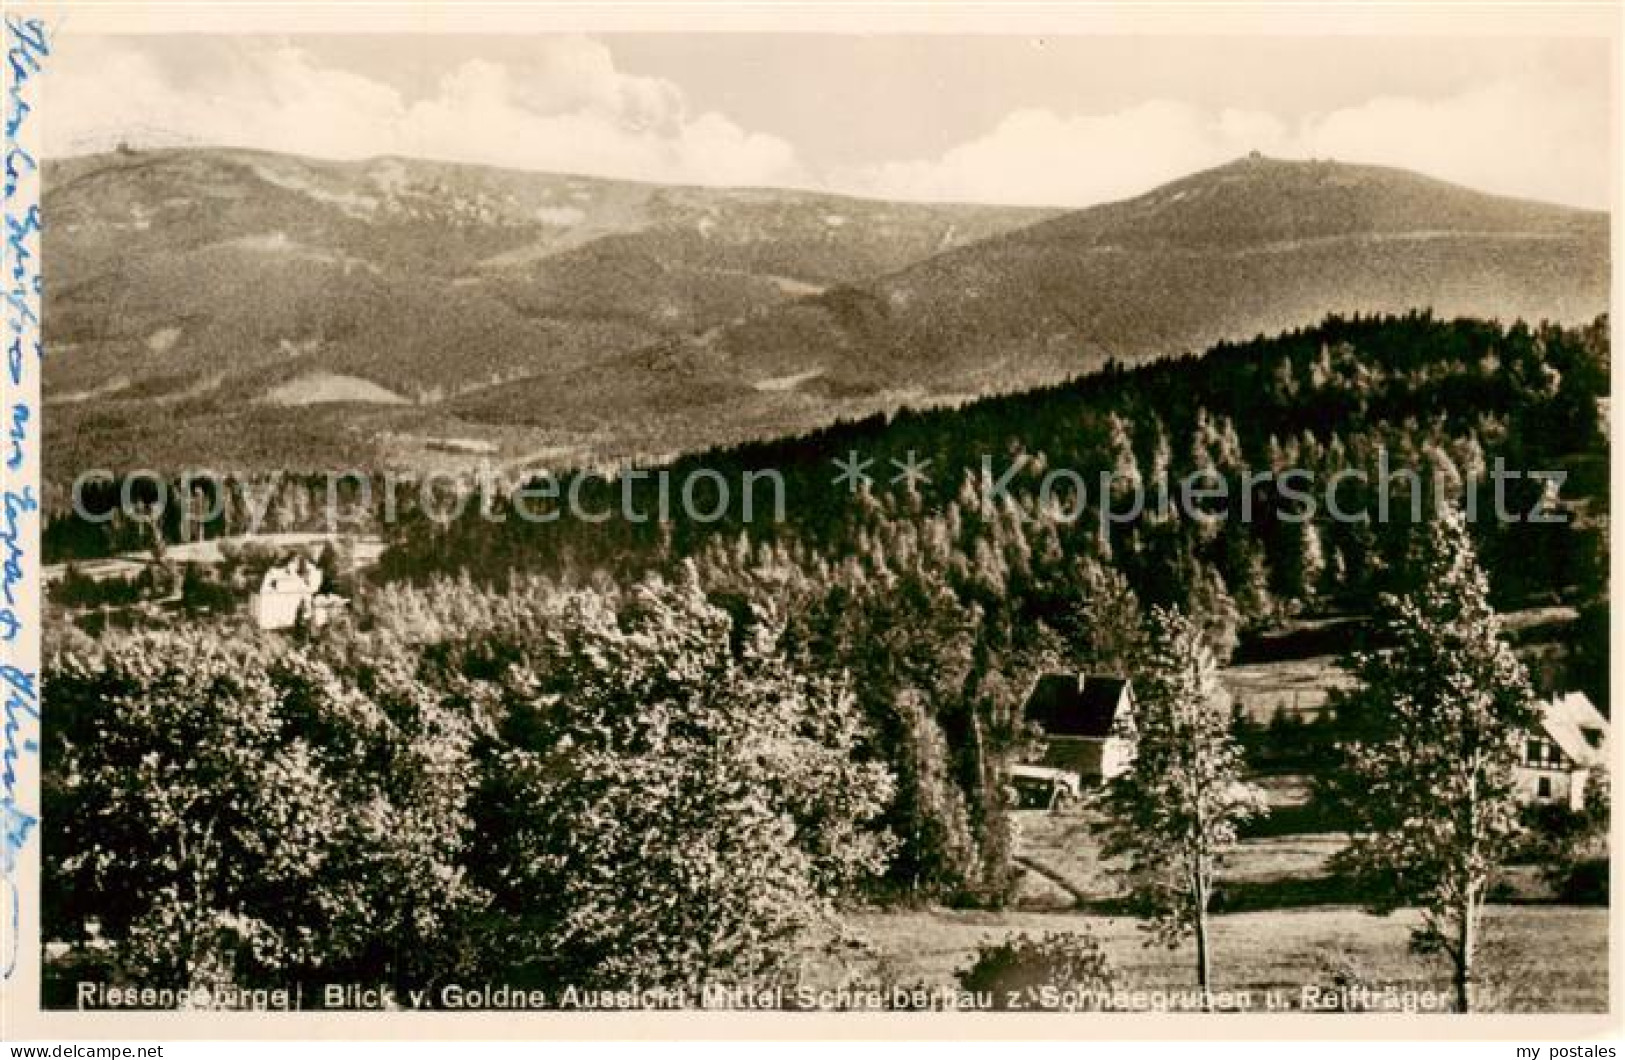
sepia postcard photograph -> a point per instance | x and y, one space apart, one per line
1081 521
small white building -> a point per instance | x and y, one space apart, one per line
286 592
1560 757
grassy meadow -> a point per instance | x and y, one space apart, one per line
1537 958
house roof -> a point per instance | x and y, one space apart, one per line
296 577
1067 704
1576 726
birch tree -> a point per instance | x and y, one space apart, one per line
1428 780
1176 811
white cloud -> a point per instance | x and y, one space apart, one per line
271 97
1530 137
1040 158
567 108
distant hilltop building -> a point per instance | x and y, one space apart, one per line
1566 749
289 592
130 139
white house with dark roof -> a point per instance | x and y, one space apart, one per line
287 591
1087 722
1562 755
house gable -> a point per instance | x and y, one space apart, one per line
1087 721
1080 706
1568 744
1574 726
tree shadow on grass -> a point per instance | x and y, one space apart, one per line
1254 896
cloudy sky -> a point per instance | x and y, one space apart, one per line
1066 121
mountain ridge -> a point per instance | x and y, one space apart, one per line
368 305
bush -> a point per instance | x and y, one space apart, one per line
1028 968
1549 829
227 815
1571 846
1584 883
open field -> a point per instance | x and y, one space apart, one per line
365 548
1061 850
1536 958
1295 686
1283 921
1270 868
1294 670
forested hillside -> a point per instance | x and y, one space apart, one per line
947 596
1442 400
